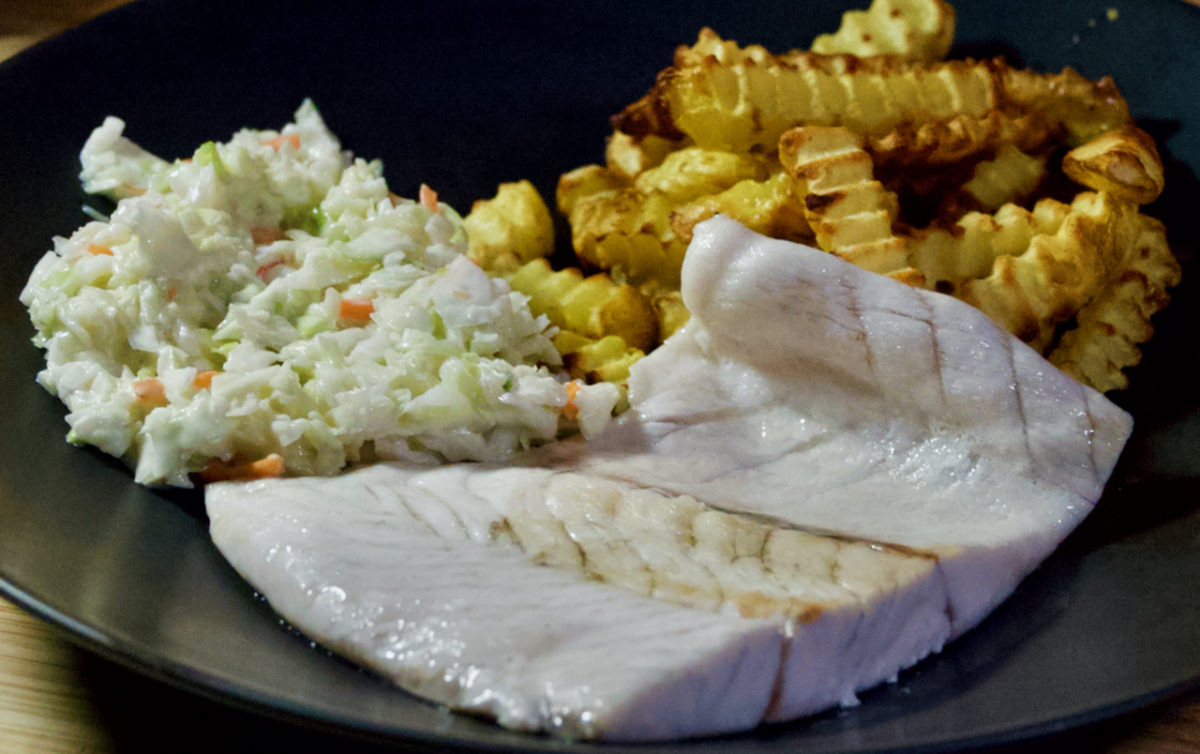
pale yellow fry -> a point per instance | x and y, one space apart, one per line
1058 274
769 207
1111 326
594 306
510 229
606 359
961 137
851 214
628 234
912 29
1010 176
625 226
968 250
1084 108
626 156
727 97
723 96
693 172
744 106
586 181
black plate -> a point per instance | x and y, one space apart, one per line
464 96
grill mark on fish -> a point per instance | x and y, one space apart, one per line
948 606
776 696
1091 432
695 418
800 445
934 344
1020 401
814 317
462 525
370 490
749 467
458 522
860 334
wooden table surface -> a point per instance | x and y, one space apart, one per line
55 697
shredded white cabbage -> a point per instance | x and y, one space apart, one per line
270 295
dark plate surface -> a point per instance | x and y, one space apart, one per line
463 96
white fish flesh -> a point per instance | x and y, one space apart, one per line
821 479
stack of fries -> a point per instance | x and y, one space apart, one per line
1016 191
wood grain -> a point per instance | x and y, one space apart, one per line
25 22
43 707
55 697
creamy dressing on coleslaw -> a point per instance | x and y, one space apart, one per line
269 295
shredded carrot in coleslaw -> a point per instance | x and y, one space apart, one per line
428 197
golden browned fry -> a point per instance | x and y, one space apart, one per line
670 312
748 106
910 276
626 228
594 306
648 116
692 172
935 143
850 212
1010 176
614 228
1123 162
970 247
1084 108
1057 274
769 207
628 234
1112 326
912 29
743 99
626 156
606 359
510 229
709 44
586 181
814 146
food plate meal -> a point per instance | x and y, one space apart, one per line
787 516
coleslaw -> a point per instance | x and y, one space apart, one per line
270 298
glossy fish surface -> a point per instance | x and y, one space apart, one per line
821 479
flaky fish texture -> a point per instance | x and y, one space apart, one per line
822 478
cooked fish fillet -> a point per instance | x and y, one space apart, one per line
822 478
565 602
845 401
